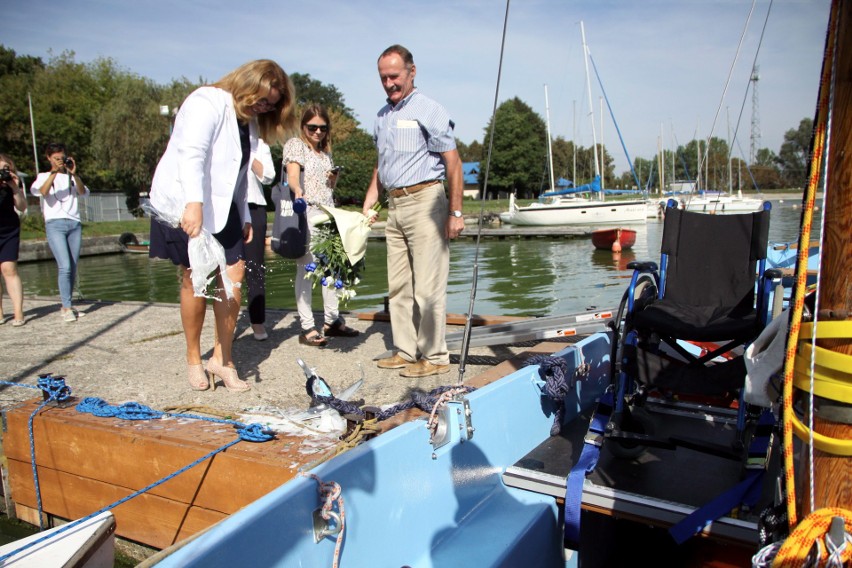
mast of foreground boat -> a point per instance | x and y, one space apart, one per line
465 347
832 474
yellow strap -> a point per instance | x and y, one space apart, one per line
832 378
832 370
822 442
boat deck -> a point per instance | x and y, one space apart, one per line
660 487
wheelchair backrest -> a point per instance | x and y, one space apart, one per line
712 260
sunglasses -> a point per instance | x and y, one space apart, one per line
315 127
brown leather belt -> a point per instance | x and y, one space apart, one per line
408 190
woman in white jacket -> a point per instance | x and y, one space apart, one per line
205 168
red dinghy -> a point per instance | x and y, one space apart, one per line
613 239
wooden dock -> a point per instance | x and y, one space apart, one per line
85 463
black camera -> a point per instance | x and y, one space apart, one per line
5 175
69 162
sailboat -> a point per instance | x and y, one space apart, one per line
476 481
582 205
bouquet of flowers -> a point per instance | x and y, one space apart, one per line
338 243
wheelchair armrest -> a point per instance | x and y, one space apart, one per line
642 266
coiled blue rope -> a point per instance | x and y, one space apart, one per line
54 389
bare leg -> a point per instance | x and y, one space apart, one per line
227 312
192 311
13 287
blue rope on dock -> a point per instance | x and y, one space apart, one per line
54 389
72 524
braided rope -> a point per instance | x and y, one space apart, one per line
331 493
553 371
807 545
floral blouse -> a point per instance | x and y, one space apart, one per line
315 169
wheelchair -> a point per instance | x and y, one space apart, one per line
683 325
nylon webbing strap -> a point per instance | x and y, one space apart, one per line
745 492
584 466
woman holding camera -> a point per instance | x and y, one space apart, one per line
312 177
204 171
59 189
12 202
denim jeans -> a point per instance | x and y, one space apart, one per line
64 237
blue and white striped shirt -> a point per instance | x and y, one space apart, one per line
410 138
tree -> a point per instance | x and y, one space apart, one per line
519 149
310 90
130 135
794 154
16 77
357 155
563 158
470 153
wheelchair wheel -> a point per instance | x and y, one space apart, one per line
635 421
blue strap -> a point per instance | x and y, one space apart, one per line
584 466
699 519
746 492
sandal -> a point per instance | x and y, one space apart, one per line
313 338
338 328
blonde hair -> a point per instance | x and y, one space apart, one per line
251 82
310 112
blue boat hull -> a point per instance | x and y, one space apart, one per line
407 504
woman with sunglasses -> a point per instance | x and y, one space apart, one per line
205 168
312 177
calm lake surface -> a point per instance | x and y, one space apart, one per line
516 277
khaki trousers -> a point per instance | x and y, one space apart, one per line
418 268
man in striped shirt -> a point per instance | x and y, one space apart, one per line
417 152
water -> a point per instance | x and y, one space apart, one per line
516 277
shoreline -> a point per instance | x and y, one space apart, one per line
134 352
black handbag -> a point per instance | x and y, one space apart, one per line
290 228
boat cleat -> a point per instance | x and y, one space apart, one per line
450 423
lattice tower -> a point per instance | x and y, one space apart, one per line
755 116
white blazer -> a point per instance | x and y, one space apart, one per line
202 160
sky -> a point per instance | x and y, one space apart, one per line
672 70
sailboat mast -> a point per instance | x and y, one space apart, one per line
603 157
549 146
832 474
32 129
591 104
574 145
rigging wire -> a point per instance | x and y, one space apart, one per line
465 346
725 90
745 94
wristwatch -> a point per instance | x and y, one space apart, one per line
456 213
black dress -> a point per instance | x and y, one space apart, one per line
10 225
